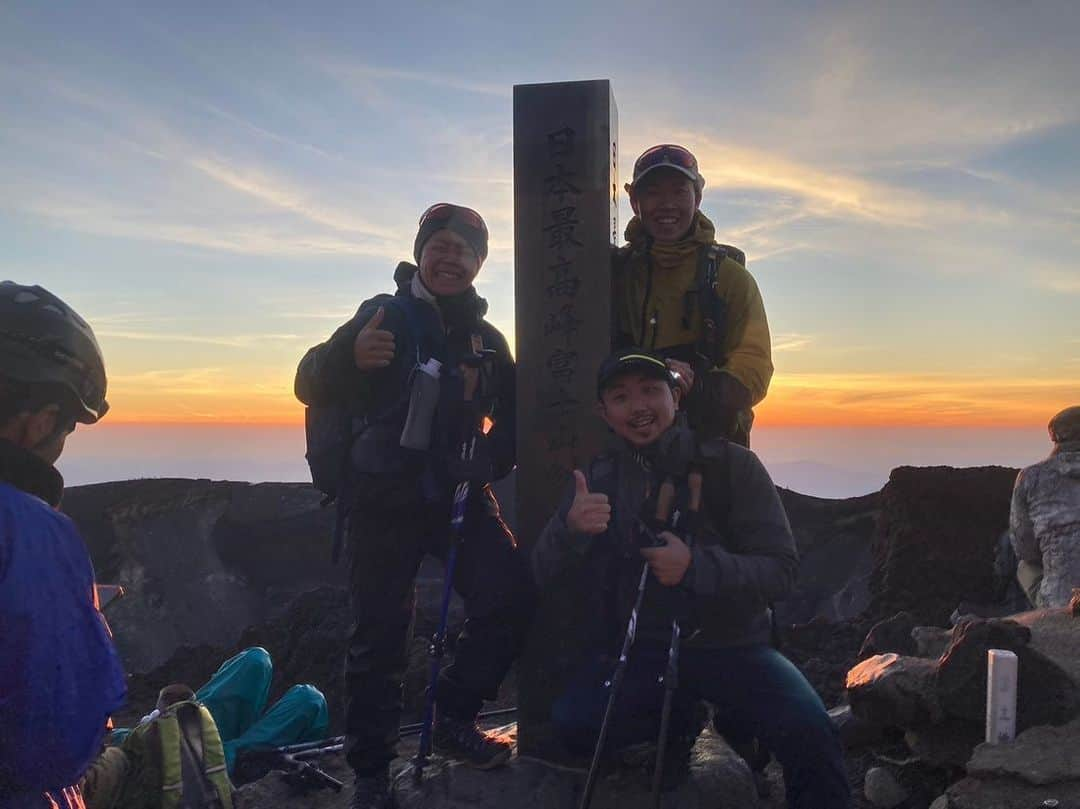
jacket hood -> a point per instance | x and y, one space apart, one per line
468 307
702 231
1066 456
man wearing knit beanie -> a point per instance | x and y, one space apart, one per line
402 471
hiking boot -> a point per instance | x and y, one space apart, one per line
463 740
372 792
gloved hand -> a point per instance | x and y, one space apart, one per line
478 470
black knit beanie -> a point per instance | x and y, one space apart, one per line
465 222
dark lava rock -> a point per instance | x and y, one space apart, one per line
824 652
891 635
200 560
718 779
893 691
835 540
936 539
1046 694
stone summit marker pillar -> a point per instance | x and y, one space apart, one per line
565 223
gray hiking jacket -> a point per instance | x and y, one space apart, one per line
743 559
1045 522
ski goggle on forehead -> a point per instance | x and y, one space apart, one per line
446 210
666 154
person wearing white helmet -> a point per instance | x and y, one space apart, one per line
60 676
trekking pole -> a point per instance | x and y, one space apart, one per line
671 673
437 648
334 744
664 500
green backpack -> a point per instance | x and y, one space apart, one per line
177 762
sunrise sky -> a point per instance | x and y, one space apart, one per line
216 189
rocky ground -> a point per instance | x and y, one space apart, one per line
211 568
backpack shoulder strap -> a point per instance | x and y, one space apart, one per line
203 775
604 474
163 739
620 257
406 306
713 307
425 326
214 764
734 253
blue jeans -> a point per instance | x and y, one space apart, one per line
756 693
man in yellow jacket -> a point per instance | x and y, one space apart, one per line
684 296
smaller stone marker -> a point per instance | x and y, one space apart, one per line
1001 670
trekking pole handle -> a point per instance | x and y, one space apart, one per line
665 499
695 482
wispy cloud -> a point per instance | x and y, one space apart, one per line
259 185
1059 280
128 151
99 217
447 81
228 341
790 342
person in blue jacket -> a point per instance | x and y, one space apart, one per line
60 676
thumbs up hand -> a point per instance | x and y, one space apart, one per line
589 513
373 347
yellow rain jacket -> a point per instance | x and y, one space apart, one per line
656 307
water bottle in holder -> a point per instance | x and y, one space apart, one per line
423 399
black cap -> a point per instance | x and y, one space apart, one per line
632 359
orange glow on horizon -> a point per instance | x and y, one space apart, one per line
797 400
870 400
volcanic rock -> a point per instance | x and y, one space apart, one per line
835 540
891 690
1042 755
891 635
719 779
1045 692
936 539
882 789
199 560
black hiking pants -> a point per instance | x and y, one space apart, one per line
492 577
